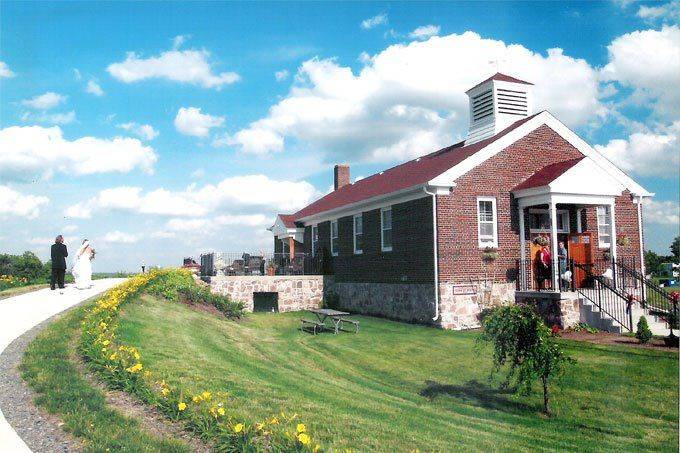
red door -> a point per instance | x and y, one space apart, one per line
580 251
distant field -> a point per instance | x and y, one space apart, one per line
10 292
398 387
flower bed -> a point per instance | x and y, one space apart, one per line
207 414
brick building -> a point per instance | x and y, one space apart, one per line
413 242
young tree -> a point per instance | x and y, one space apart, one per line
675 249
526 347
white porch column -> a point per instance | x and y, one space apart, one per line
613 242
553 246
522 249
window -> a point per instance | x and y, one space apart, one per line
540 221
334 237
386 229
285 246
358 234
604 227
486 222
315 239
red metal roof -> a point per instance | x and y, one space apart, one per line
548 174
408 174
502 78
288 220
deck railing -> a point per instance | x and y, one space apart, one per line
244 263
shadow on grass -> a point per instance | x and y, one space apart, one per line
479 394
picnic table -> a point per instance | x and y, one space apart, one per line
322 314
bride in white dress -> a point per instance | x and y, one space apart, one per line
82 268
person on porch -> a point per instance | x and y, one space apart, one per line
544 265
563 256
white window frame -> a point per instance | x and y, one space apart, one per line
354 232
334 251
315 239
383 229
566 229
494 242
608 212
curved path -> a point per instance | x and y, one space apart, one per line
19 314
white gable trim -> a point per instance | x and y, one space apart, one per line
450 175
280 230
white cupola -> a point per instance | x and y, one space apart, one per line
495 104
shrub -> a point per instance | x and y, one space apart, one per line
196 294
584 327
525 345
643 333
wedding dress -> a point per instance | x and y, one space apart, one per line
82 269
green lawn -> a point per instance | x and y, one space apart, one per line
49 369
17 290
397 387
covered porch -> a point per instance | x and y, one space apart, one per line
553 205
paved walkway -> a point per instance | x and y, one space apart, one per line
19 314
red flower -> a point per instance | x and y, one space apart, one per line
555 329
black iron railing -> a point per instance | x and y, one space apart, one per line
238 263
531 278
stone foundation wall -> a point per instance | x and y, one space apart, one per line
461 311
562 309
296 292
411 302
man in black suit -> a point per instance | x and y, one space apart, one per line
59 254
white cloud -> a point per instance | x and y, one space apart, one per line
144 131
94 88
282 75
190 121
35 150
197 174
409 99
661 212
232 196
44 101
47 241
15 204
179 40
648 62
120 237
77 74
70 228
646 153
185 66
49 118
667 12
425 32
162 235
5 71
374 21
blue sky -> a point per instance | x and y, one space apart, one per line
160 130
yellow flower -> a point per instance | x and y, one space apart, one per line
134 368
113 356
165 391
221 411
301 428
259 426
206 395
304 438
238 427
274 421
106 342
196 399
182 405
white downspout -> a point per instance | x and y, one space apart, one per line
436 254
642 245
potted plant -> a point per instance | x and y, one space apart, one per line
271 269
541 240
607 255
623 240
490 254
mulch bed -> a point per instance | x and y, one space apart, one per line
607 338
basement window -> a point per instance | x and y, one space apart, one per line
358 234
487 229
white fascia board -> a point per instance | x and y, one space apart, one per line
369 204
564 198
542 118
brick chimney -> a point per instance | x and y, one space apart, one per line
341 173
